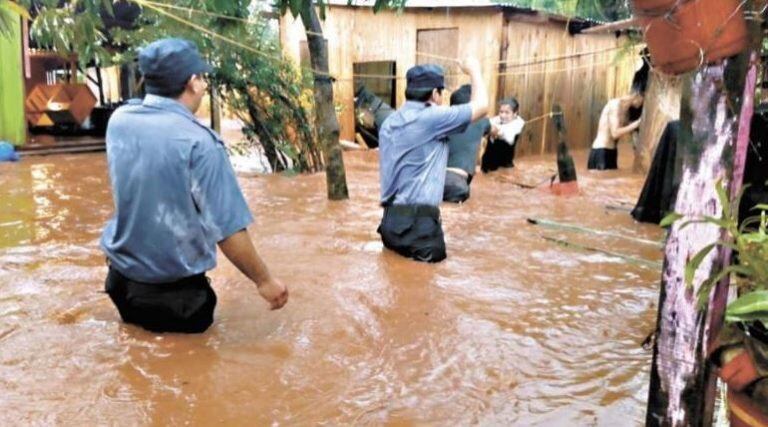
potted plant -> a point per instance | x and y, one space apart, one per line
741 349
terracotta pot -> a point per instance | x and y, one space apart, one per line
697 33
744 412
738 370
650 8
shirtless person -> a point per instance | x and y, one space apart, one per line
614 124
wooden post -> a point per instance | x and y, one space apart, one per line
715 116
502 82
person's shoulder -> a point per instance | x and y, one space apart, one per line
436 111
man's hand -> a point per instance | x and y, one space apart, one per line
274 292
479 101
470 65
495 130
239 249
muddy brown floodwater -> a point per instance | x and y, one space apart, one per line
509 330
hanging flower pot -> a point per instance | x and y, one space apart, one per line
695 34
650 8
738 370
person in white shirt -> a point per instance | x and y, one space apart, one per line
505 130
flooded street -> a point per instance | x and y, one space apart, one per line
510 330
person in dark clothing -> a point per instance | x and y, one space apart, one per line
413 156
756 167
660 189
505 132
176 199
462 152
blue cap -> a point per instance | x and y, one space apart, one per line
167 65
427 76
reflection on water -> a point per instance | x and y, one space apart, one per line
510 330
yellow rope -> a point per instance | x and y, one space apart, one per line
158 8
418 53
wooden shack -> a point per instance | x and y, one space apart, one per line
528 54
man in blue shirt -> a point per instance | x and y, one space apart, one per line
462 152
413 156
176 198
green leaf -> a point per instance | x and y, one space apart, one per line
707 285
723 197
749 303
750 317
670 219
15 8
107 4
321 5
695 262
296 6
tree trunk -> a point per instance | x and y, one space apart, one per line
215 103
716 111
325 114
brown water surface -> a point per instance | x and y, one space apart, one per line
509 330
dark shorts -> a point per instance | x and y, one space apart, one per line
603 159
498 154
456 188
186 305
413 231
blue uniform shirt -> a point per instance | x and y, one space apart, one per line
174 190
413 153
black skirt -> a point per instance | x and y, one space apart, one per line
603 159
498 154
660 188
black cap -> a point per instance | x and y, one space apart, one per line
427 76
167 65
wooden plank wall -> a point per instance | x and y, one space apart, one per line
581 85
355 34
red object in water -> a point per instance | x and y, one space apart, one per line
565 188
696 33
739 372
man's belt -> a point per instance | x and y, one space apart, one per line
414 210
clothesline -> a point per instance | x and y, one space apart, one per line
159 9
508 63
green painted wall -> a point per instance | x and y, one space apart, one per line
12 121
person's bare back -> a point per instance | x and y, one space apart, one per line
613 125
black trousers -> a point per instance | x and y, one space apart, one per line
498 154
413 231
186 305
456 188
603 159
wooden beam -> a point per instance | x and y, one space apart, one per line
626 24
